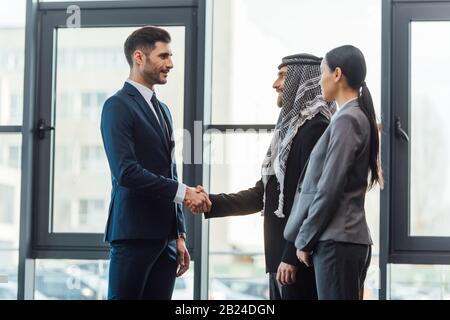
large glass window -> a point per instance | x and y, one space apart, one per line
12 40
419 148
12 45
88 280
236 257
81 168
254 36
82 182
420 282
71 279
429 130
10 177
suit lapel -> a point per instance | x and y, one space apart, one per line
145 108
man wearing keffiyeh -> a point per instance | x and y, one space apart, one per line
303 118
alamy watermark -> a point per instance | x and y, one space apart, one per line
222 147
74 18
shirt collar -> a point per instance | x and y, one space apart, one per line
146 92
344 105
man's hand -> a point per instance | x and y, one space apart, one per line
286 274
197 200
208 204
184 259
304 257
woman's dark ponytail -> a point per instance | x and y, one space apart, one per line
366 104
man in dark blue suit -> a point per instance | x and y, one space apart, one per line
145 228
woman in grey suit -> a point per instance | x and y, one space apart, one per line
327 222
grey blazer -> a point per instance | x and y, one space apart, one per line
329 202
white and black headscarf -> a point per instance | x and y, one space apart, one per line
302 100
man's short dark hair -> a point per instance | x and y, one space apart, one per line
144 39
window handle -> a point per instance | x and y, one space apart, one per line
42 128
400 131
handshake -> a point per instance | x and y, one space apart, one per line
197 200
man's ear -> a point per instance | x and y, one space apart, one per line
138 57
337 74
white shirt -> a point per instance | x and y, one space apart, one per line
147 94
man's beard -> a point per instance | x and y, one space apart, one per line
152 77
280 101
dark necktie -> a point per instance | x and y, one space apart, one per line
159 112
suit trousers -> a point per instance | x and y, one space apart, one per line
142 270
340 269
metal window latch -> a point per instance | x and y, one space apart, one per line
42 128
399 130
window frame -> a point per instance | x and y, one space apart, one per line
35 240
85 245
406 248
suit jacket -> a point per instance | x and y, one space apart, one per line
144 177
276 248
330 202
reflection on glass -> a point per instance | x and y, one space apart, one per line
237 267
244 71
12 44
10 172
430 147
91 67
12 48
87 280
420 282
9 258
71 279
10 178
